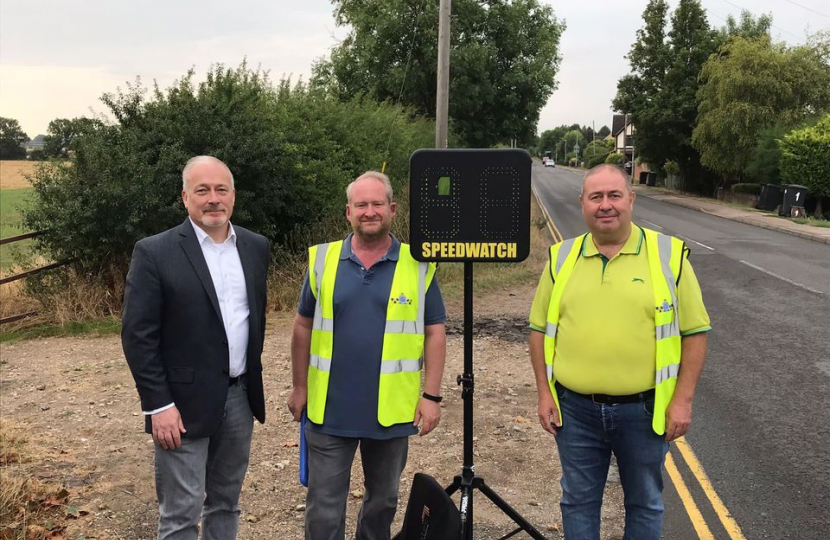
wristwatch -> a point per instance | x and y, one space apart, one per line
436 399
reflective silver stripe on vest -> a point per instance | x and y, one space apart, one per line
549 370
326 325
402 327
397 366
664 245
668 372
550 331
564 251
323 364
320 264
668 330
422 295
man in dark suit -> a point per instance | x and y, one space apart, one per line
193 330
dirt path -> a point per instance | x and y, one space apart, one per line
77 399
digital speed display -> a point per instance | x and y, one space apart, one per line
470 205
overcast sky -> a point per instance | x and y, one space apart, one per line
58 56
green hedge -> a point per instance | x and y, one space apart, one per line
615 158
292 151
753 189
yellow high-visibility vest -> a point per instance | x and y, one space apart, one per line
665 255
403 338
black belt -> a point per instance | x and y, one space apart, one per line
234 380
605 399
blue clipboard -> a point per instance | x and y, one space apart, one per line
303 451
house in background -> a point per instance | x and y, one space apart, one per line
622 130
34 144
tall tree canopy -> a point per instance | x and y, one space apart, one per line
62 133
11 139
660 93
640 93
752 85
503 62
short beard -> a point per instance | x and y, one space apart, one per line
215 222
382 232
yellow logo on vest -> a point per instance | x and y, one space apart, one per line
401 299
501 250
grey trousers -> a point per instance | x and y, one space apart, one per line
203 477
329 473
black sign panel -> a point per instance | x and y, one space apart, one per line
470 205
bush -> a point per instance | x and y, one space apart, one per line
752 189
671 167
593 161
615 158
292 151
805 159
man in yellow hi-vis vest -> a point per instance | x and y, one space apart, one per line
370 320
618 346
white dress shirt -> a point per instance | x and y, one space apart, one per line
229 282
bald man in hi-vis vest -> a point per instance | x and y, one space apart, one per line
617 347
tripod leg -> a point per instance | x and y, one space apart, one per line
510 511
467 512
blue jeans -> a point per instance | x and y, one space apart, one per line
589 433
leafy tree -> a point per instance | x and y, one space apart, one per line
615 158
549 139
751 85
62 132
504 59
764 162
11 139
596 152
640 93
292 152
568 142
804 159
692 42
748 27
660 95
603 132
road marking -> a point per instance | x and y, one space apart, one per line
782 278
698 522
548 220
696 242
656 226
726 518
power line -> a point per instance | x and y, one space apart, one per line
809 9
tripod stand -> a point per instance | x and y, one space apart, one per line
468 480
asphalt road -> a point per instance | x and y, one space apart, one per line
761 429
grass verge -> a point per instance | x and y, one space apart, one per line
11 200
100 327
29 508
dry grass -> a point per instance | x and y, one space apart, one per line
29 509
13 173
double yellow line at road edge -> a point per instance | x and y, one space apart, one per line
554 232
729 523
698 522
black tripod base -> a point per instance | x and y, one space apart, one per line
476 482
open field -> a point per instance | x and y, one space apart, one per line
13 173
10 202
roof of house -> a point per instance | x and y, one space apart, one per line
618 124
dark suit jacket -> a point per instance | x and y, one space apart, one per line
172 331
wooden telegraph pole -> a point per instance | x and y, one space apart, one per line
443 95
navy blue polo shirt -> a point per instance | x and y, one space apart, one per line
360 299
